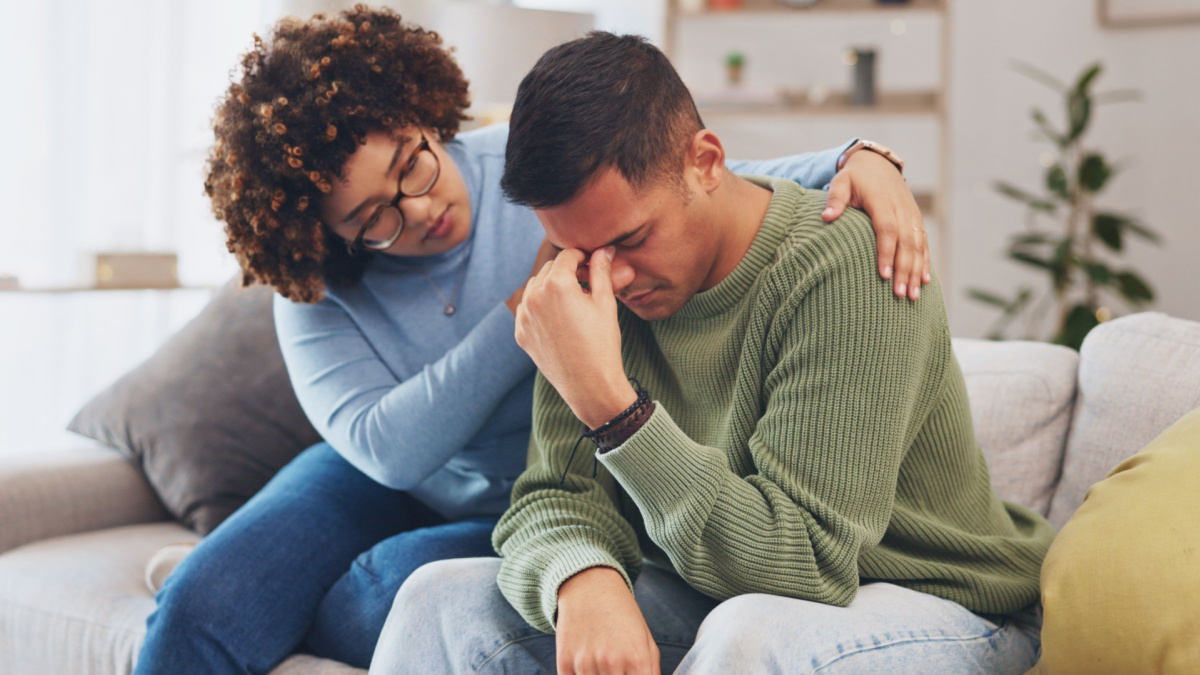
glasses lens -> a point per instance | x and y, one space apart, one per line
421 177
385 230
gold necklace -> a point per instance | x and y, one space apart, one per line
451 308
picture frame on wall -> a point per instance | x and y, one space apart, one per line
1145 13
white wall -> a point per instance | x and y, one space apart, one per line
989 111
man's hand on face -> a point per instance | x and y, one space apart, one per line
600 628
573 336
870 182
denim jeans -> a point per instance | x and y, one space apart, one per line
311 563
451 618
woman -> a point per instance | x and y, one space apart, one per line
398 266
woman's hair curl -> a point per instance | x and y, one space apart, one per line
306 100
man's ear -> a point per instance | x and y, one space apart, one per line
706 158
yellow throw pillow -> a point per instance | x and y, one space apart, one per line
1121 583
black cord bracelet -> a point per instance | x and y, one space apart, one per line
619 423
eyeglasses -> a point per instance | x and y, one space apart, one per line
386 224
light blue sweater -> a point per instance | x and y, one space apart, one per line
441 405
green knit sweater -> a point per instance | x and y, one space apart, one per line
812 433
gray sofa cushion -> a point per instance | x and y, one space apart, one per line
1022 395
212 415
1137 375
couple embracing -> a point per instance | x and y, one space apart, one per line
718 429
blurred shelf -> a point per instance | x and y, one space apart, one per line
94 289
838 103
761 7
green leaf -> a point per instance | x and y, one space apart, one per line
1094 172
1045 127
1060 263
1085 80
1098 272
1107 229
1020 195
1133 288
1032 239
988 298
1080 320
1031 260
1079 112
1105 223
1056 181
1134 227
1039 75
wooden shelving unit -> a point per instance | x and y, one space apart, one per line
836 105
94 289
822 6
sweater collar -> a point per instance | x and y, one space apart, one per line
771 234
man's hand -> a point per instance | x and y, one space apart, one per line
545 254
573 337
600 628
872 183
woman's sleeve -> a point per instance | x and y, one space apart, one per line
812 170
397 431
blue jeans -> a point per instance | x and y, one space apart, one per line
311 563
451 618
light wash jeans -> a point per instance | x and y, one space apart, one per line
450 617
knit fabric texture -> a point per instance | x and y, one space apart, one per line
812 433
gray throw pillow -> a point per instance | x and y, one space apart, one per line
211 416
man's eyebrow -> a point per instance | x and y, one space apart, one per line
627 235
391 165
614 242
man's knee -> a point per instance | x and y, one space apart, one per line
442 594
733 632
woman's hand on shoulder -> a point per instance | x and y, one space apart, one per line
871 183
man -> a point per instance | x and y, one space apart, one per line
786 444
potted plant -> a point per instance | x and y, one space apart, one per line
734 61
1068 236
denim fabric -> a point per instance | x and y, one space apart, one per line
451 618
321 548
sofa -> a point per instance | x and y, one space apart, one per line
78 524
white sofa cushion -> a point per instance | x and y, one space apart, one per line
78 604
1137 375
1021 397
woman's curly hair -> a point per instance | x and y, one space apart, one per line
306 100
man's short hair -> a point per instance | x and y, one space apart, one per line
599 101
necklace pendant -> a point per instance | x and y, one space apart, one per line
450 309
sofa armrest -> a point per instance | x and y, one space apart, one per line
78 488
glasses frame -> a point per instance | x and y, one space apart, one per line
359 243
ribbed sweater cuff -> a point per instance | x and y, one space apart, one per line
565 563
664 470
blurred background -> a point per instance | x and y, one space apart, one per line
109 245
